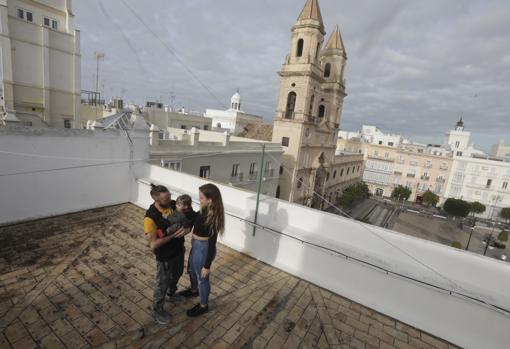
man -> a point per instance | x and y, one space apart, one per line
169 249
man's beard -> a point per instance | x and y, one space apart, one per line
165 205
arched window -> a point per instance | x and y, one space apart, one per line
318 50
278 192
310 109
299 50
322 111
291 103
327 70
334 174
218 125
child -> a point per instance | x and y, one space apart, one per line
183 215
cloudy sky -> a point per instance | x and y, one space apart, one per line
413 67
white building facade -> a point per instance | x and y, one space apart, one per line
164 117
39 63
233 119
218 156
482 179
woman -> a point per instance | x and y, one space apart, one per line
208 224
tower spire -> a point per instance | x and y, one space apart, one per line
335 40
312 12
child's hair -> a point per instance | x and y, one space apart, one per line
184 199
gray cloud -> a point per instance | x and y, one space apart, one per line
413 68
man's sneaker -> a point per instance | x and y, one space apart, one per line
161 317
175 298
188 293
197 310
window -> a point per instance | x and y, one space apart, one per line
291 103
310 109
20 13
285 141
235 170
281 170
505 185
322 111
317 50
278 192
252 167
459 153
54 24
300 182
380 142
334 174
390 144
358 168
348 169
457 144
67 123
206 127
489 182
205 171
327 70
341 172
218 125
299 49
46 21
183 127
327 176
30 17
386 155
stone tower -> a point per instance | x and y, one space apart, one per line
309 106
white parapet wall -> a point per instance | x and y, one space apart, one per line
45 172
453 294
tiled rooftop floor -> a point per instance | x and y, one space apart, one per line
85 279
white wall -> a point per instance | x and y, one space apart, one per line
464 322
37 177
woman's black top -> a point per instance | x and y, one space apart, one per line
202 230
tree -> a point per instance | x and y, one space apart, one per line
456 244
503 236
353 194
477 207
401 193
457 207
430 198
505 213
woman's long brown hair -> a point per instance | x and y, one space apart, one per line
215 211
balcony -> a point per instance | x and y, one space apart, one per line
339 268
397 173
237 178
269 173
440 180
410 175
443 168
425 178
254 176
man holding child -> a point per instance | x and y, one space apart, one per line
166 223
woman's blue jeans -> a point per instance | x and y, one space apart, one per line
197 259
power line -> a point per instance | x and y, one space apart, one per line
453 284
70 168
173 52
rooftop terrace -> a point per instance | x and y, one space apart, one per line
85 279
299 277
